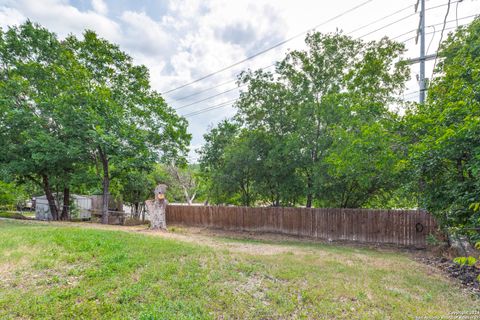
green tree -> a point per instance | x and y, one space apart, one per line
445 133
324 100
165 174
11 194
63 103
185 179
39 91
361 165
266 110
136 187
212 158
126 123
237 176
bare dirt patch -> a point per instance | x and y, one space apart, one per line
467 275
213 239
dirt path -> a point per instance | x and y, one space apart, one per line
213 238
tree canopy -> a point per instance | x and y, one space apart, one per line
319 131
76 101
444 133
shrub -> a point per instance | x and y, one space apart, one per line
468 261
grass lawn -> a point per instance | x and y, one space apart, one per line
13 215
65 272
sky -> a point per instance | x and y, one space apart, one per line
184 40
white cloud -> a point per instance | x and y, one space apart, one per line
205 36
145 36
100 6
63 18
10 17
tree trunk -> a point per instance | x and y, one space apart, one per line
50 198
309 192
66 204
136 212
105 198
105 184
309 200
156 208
187 197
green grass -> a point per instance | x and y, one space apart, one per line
61 272
12 215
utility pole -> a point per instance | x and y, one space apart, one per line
422 51
421 33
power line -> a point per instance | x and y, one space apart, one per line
431 40
357 29
403 18
270 48
388 25
433 25
205 90
220 105
231 102
407 95
226 104
217 86
411 93
456 11
206 110
380 19
403 34
210 97
394 22
441 37
450 28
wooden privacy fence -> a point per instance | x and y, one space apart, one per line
398 227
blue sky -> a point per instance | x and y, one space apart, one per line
156 9
182 40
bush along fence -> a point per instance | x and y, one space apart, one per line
399 227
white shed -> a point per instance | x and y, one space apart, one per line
80 207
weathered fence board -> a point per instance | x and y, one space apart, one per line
398 227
